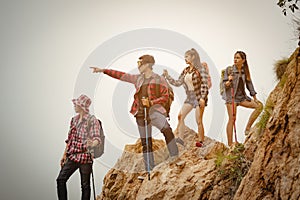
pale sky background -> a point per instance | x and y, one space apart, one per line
45 45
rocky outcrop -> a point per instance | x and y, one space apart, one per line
186 177
274 172
209 172
266 166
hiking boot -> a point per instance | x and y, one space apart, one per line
179 141
199 144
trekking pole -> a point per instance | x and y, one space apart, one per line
233 112
93 181
147 142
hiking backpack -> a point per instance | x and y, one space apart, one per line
229 71
167 105
99 149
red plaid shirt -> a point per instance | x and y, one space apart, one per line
137 80
78 134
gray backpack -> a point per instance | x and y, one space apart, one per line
98 150
229 71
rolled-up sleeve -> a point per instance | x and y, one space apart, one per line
250 87
70 129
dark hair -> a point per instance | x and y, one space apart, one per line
246 67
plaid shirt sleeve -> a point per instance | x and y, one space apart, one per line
131 78
70 129
178 82
204 83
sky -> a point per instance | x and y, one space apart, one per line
48 46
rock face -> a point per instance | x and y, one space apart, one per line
274 173
266 166
186 177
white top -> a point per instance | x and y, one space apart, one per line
188 79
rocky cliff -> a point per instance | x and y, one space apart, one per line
266 166
274 172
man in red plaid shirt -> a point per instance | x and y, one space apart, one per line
145 96
84 134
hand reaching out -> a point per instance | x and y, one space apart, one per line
97 69
63 160
165 73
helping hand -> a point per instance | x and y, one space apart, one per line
165 73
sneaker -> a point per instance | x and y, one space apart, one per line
172 159
179 141
143 177
199 144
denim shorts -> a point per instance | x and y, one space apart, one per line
191 99
238 99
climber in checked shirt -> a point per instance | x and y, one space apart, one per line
145 98
80 139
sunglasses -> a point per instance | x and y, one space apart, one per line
140 63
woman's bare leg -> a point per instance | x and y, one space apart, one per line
231 120
257 106
186 109
199 120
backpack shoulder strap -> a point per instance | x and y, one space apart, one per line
89 123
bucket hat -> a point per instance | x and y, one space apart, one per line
83 101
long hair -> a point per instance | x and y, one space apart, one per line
246 67
196 61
